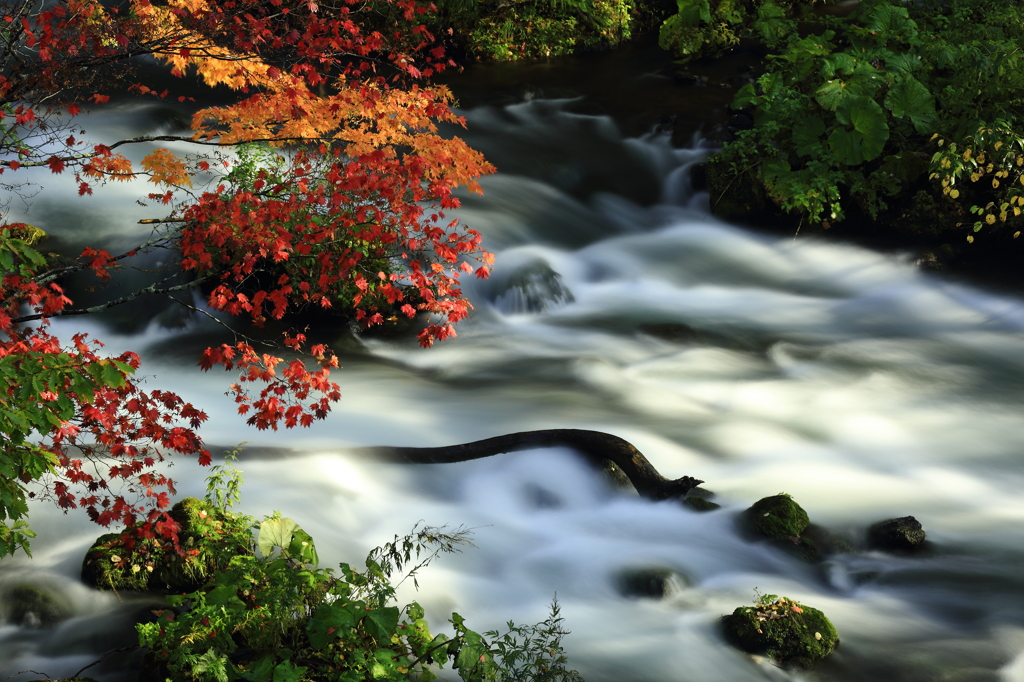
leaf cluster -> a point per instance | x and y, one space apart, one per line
854 113
535 28
270 613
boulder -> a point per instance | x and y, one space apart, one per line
792 634
777 518
125 562
33 606
900 535
782 522
699 503
647 582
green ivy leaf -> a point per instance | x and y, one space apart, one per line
910 99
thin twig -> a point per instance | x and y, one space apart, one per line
151 289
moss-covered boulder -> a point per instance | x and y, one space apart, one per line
782 629
33 606
128 562
782 522
700 503
777 517
904 534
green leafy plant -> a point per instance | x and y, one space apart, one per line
271 614
537 28
869 113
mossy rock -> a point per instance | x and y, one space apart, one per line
793 634
700 504
777 518
121 562
33 606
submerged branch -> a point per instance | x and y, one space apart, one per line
597 447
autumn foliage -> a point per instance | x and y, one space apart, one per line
323 185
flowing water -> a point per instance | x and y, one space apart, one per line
847 378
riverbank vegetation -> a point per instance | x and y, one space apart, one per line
901 116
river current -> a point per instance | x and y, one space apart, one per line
850 379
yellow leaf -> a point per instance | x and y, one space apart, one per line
970 238
955 193
990 219
995 183
166 168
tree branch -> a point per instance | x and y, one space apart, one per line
151 289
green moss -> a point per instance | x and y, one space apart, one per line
777 518
782 629
700 504
108 566
148 564
33 606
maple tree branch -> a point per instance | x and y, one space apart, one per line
53 275
151 289
150 138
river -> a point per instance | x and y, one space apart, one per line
848 378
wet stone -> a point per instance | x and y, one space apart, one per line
903 534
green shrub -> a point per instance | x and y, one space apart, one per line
860 114
271 614
536 28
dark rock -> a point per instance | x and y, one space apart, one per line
901 535
790 633
33 606
828 543
652 583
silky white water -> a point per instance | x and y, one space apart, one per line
849 379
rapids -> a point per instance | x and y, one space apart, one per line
850 379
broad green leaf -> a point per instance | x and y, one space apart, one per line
870 131
840 63
910 99
692 11
224 595
286 671
903 64
301 547
381 623
275 533
807 134
745 96
832 94
328 622
889 20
